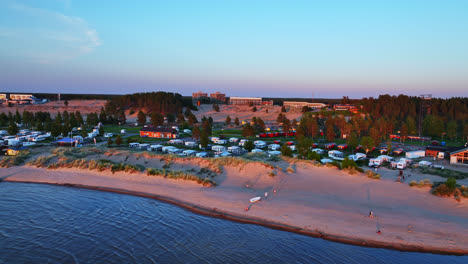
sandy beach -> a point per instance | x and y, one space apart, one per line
316 201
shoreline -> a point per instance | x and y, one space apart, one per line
219 213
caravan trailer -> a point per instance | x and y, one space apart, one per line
233 149
233 140
191 144
274 146
259 144
335 154
134 145
155 147
218 148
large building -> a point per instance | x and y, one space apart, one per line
344 107
159 132
245 100
23 99
293 104
200 97
218 97
459 157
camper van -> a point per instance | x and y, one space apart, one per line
233 140
274 146
218 148
189 152
214 139
221 141
190 144
143 146
155 148
202 155
335 154
242 142
134 145
318 151
375 162
176 142
259 144
357 156
233 149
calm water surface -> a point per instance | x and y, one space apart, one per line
53 224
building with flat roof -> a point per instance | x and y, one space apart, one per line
218 97
245 100
200 97
159 132
345 107
459 157
294 104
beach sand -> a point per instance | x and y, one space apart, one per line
317 201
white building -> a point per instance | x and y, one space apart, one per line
294 104
245 100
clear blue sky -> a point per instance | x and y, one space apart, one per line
253 48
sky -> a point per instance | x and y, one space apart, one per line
271 48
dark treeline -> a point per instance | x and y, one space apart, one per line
445 119
160 102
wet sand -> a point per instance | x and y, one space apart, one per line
320 202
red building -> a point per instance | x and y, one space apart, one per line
159 132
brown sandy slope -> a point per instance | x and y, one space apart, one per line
84 106
244 112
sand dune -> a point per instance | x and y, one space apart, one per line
313 200
244 112
84 106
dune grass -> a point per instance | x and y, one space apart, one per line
17 160
372 175
171 174
445 173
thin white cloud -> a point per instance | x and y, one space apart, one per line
45 35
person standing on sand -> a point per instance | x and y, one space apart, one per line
371 214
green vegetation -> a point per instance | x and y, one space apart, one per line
9 161
180 175
372 175
41 161
446 173
449 189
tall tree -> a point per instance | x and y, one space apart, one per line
12 129
228 120
236 121
452 129
248 131
141 118
304 147
196 132
157 119
118 141
367 143
204 139
353 141
330 132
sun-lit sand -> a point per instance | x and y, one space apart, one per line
244 112
84 106
316 200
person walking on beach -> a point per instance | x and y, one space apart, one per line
371 214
